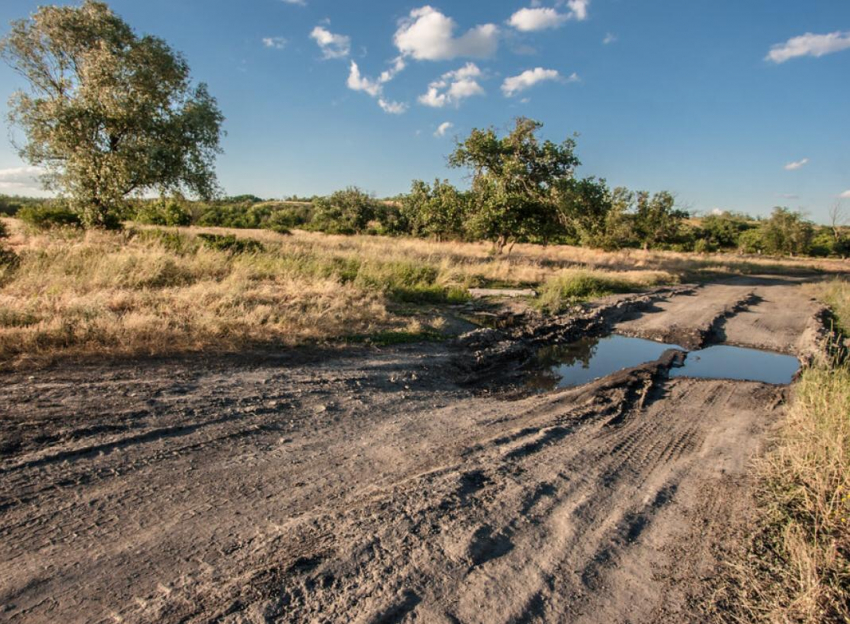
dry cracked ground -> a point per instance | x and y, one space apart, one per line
367 485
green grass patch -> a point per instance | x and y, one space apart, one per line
571 287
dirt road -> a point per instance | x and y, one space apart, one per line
366 486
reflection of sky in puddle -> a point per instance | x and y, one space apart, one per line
726 362
593 358
567 366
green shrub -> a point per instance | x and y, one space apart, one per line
49 216
231 244
162 212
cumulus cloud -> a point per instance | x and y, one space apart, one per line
541 18
278 43
443 128
609 38
393 108
453 87
333 46
528 20
19 178
428 35
797 164
809 45
375 88
298 2
845 194
578 9
358 82
530 77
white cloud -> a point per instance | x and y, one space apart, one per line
845 194
578 9
809 45
789 196
443 128
358 82
20 178
278 43
394 108
375 88
609 38
333 45
453 87
541 18
797 164
530 77
428 35
298 2
392 72
528 20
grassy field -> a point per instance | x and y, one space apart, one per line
157 291
797 565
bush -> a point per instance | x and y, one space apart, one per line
163 212
172 241
49 216
345 212
231 244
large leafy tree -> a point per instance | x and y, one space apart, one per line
514 178
109 113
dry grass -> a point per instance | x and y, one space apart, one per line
140 292
798 564
144 293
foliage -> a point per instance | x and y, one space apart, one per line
344 212
583 208
231 244
168 212
786 232
513 181
435 211
723 231
109 113
656 218
47 216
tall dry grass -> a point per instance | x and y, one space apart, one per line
797 567
149 291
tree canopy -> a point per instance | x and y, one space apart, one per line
514 178
109 113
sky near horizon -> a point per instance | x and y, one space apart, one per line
731 105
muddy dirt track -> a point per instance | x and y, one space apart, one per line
367 486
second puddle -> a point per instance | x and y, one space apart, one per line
575 364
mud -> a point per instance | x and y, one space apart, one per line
371 486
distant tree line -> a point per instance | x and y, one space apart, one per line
522 190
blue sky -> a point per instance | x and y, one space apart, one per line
730 104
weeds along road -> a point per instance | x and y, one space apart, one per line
366 486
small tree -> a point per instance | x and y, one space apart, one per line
786 232
656 218
583 210
436 210
344 212
513 181
109 113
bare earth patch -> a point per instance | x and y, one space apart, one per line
367 486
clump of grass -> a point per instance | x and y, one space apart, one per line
569 287
797 566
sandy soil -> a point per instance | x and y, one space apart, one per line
368 486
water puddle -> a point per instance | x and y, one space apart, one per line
578 363
575 364
726 362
